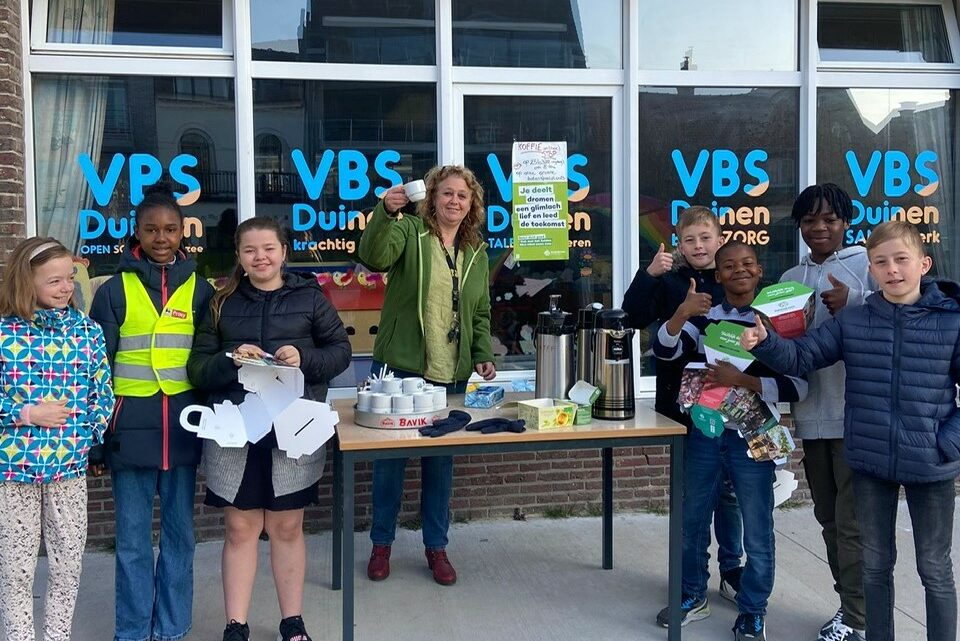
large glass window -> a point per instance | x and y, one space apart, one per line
340 144
519 291
156 23
875 32
537 33
101 140
894 151
733 150
357 31
746 35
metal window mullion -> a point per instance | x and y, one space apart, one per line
243 111
446 99
808 105
29 149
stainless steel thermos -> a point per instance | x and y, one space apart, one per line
613 365
586 321
554 342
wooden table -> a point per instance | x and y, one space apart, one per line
356 443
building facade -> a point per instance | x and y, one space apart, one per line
306 111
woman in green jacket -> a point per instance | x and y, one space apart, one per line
435 324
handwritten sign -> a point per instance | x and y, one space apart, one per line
540 201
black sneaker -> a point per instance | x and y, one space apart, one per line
749 627
236 631
827 627
691 609
292 629
730 583
841 632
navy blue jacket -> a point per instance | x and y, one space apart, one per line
903 362
654 300
145 433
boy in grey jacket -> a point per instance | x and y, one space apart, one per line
839 277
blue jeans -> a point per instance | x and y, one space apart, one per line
728 527
931 507
154 601
436 481
707 461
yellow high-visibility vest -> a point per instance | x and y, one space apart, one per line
154 348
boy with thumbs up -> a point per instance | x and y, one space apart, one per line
656 292
839 276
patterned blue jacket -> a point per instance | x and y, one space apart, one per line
903 362
59 353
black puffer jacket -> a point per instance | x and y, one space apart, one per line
654 300
297 314
145 433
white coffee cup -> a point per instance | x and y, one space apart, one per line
380 402
392 386
413 385
439 398
423 402
364 400
401 403
415 190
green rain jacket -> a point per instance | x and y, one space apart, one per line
398 246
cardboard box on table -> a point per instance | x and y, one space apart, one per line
547 413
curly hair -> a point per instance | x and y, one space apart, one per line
469 232
812 198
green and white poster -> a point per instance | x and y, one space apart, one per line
540 201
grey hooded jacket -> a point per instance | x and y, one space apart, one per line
820 415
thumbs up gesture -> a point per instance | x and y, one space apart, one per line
695 304
752 336
834 299
661 263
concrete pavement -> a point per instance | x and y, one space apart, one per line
533 580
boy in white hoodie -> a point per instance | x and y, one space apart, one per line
839 276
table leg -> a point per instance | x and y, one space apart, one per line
675 536
337 563
607 473
348 563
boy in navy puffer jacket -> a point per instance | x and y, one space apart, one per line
901 425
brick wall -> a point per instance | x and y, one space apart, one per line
487 486
12 221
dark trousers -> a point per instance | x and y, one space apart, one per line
931 507
834 506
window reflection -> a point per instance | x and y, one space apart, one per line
746 35
350 31
874 32
893 150
101 140
157 23
519 291
537 33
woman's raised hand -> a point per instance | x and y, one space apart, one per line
394 198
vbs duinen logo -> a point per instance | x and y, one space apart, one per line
143 170
896 171
353 183
726 182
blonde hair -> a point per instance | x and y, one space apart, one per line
469 232
697 215
18 296
896 230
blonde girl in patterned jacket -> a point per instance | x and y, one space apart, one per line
55 400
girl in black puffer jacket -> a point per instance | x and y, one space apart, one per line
264 310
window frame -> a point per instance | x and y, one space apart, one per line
40 45
953 40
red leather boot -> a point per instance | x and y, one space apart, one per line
379 566
443 572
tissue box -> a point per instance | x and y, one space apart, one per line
788 306
485 396
547 413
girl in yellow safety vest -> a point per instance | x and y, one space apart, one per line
149 311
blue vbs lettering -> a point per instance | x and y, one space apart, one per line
725 169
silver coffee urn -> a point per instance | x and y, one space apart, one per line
554 342
586 320
613 365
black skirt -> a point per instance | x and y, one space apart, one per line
256 487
